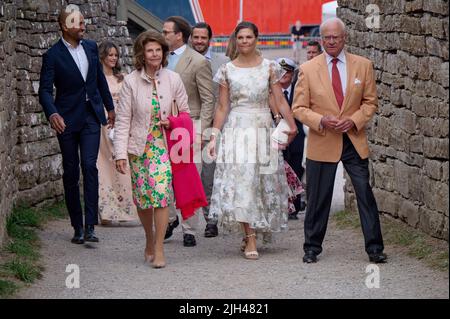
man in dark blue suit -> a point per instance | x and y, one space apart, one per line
294 152
73 67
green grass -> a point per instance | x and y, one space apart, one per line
7 288
433 252
23 270
21 252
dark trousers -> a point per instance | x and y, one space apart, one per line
319 189
207 177
83 141
294 152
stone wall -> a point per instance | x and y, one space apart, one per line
8 114
30 163
409 134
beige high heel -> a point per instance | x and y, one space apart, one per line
252 255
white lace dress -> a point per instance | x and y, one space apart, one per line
250 183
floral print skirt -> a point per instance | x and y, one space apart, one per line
295 186
250 184
151 173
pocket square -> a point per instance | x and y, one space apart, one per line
357 81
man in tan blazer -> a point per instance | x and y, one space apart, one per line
196 74
336 97
200 41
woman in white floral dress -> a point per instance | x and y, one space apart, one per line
250 190
115 203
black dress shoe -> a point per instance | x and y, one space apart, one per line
302 206
292 216
171 227
189 240
310 257
78 237
211 230
90 234
378 258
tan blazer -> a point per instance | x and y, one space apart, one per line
195 72
314 97
133 112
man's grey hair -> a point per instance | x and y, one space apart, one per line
333 20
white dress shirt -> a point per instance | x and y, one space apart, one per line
208 55
174 58
342 67
79 56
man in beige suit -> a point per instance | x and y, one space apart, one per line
336 97
196 74
200 40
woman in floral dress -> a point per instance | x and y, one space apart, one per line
115 200
250 190
145 103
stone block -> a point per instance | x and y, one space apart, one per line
414 6
414 44
50 168
437 47
409 24
383 175
405 119
436 147
443 109
435 194
41 192
436 6
432 222
409 213
401 173
440 73
433 169
416 144
28 174
37 133
445 171
398 139
433 127
35 150
387 202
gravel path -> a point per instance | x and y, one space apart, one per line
215 268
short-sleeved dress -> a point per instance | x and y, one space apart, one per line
250 183
151 173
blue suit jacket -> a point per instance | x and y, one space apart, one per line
59 69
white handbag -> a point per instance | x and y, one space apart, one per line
278 136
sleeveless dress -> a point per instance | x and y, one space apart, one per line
115 202
250 183
151 173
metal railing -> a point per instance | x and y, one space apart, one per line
265 42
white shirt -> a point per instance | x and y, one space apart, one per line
342 67
174 58
208 55
79 56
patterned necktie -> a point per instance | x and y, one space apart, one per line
336 81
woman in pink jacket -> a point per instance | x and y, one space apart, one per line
145 103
